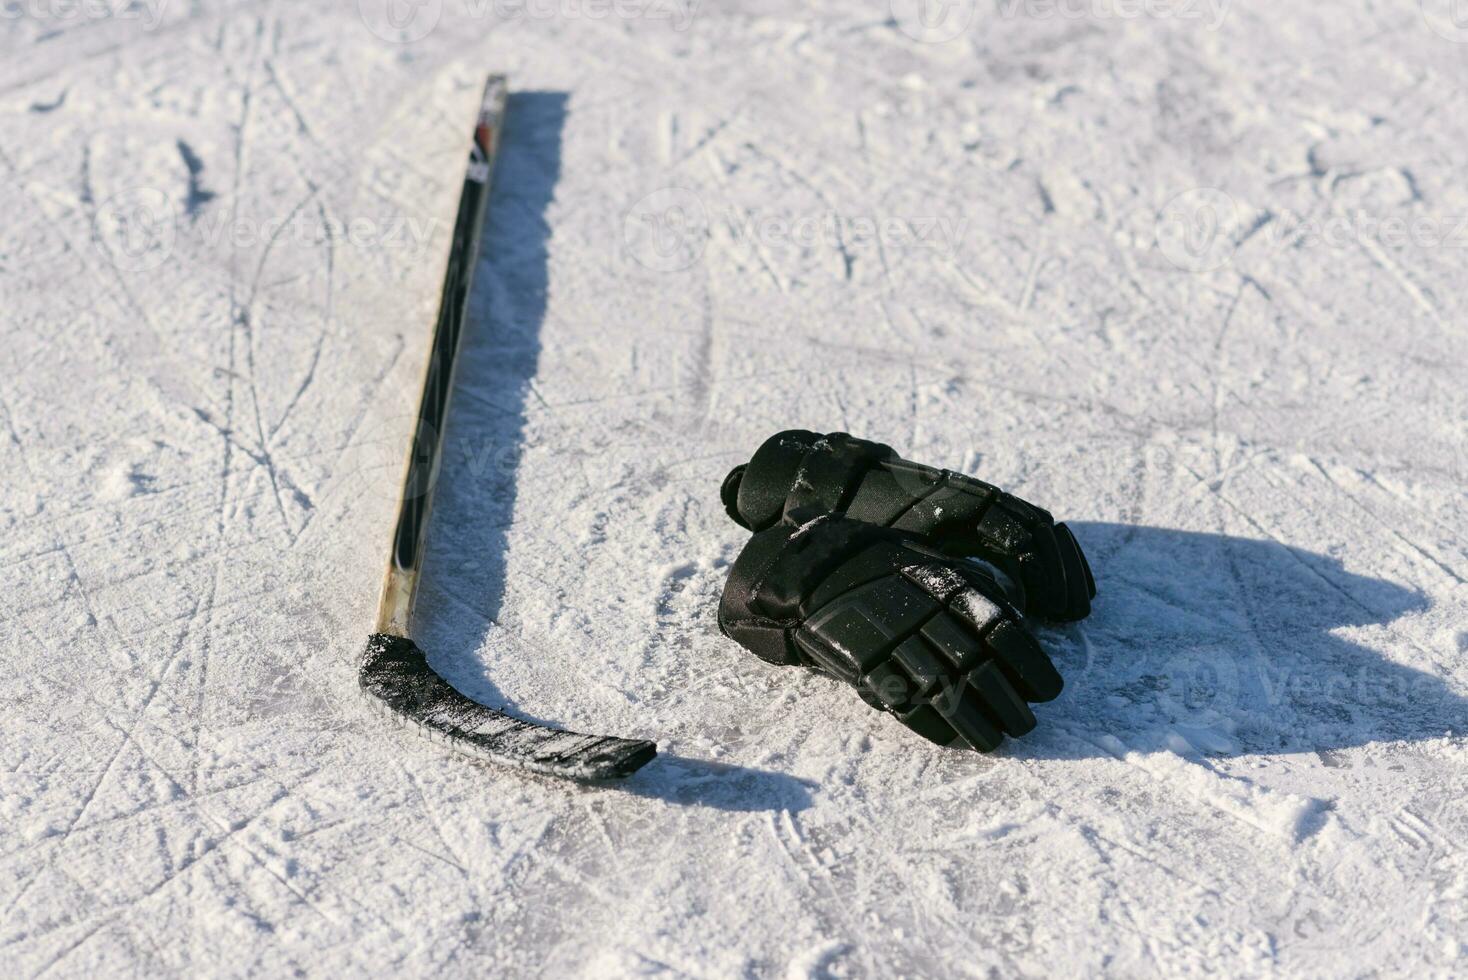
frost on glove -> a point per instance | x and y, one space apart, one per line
956 514
929 638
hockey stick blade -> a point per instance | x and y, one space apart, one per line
400 684
395 675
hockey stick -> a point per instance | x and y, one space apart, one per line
395 674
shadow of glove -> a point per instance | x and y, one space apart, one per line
956 514
929 638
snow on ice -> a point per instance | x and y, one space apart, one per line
1194 283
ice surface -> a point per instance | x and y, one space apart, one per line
1193 284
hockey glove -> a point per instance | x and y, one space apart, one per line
956 514
928 638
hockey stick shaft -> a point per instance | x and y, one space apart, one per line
395 674
400 584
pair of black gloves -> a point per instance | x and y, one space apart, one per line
907 582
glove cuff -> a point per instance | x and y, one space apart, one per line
754 494
740 618
781 568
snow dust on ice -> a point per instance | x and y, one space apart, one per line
1192 282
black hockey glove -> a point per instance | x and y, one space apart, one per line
953 513
929 638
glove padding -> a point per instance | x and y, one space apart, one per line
956 514
928 638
